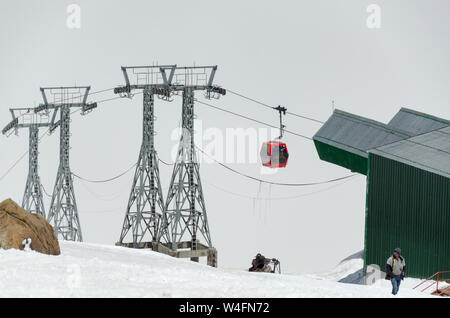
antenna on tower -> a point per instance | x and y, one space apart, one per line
26 118
63 207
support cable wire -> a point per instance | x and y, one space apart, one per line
253 178
206 104
45 191
45 133
14 165
164 162
322 122
277 183
102 197
251 119
268 106
203 103
106 180
293 197
21 157
306 137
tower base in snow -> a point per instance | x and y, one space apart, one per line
183 252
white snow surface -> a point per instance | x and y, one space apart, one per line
90 270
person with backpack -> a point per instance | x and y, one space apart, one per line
395 270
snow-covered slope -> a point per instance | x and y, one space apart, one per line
88 270
350 271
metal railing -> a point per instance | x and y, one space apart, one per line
436 282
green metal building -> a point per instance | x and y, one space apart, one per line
407 164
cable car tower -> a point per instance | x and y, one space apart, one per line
63 207
145 204
185 211
26 118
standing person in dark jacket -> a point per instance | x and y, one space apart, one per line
395 270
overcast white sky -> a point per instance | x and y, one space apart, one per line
301 54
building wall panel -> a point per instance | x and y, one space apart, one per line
408 208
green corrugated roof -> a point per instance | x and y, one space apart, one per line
357 134
430 151
345 139
416 122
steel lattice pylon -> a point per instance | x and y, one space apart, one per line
26 118
185 210
32 198
63 212
146 204
63 207
188 211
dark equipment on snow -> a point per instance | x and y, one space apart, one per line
262 264
274 154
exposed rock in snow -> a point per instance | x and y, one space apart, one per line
18 225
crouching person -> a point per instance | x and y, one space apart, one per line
395 270
260 264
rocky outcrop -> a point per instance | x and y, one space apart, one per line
20 229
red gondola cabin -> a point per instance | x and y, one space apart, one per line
274 154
